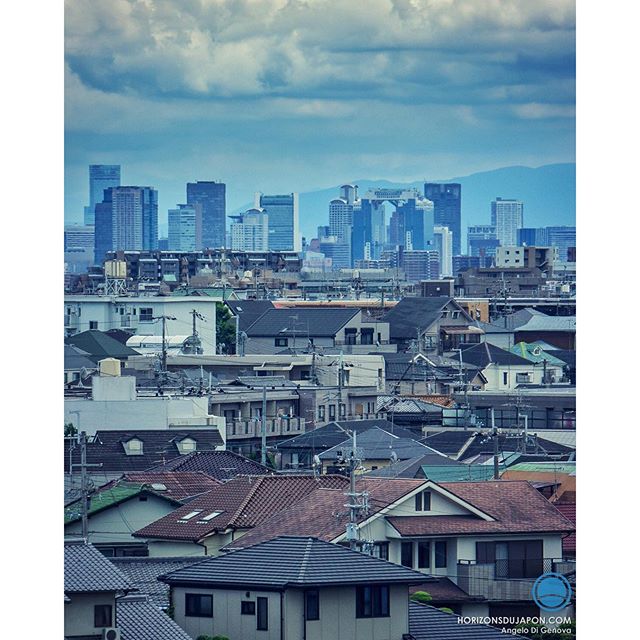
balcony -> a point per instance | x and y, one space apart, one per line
244 428
504 579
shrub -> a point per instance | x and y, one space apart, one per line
421 596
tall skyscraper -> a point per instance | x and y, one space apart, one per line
447 208
563 238
212 197
341 213
482 240
443 243
126 219
101 177
185 228
250 231
284 223
507 218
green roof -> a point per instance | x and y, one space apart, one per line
549 467
534 353
103 499
455 473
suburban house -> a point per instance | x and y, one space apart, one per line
530 325
291 588
435 325
555 369
77 364
99 603
278 330
99 345
491 538
229 511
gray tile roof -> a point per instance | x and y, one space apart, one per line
144 572
289 561
248 311
221 465
87 570
311 321
99 345
139 619
76 359
429 623
484 353
411 314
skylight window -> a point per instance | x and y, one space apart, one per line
210 516
190 515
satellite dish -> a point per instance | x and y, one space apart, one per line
394 457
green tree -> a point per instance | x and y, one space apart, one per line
225 328
421 596
69 430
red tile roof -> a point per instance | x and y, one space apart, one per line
515 505
243 503
180 485
322 513
568 510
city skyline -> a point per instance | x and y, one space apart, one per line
302 107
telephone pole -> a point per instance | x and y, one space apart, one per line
263 452
164 319
496 449
84 498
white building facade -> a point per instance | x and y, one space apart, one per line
507 218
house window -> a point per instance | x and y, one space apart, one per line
332 411
198 605
522 377
372 601
350 336
366 336
505 378
485 552
146 314
248 608
424 555
321 412
93 324
134 447
381 550
343 410
186 445
441 554
406 554
423 501
102 615
263 614
312 605
281 342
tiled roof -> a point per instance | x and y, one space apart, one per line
554 467
158 445
86 569
311 321
412 467
444 401
515 505
76 359
180 485
429 623
143 574
534 353
248 311
296 562
241 503
322 513
549 323
221 465
411 314
444 590
447 442
484 353
139 619
99 345
568 510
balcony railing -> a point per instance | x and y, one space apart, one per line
239 428
506 579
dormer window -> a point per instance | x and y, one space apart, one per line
133 447
186 445
423 501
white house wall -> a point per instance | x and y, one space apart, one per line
79 614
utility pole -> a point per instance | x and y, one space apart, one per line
164 319
496 449
84 499
263 453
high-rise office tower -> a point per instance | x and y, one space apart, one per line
101 177
482 240
185 228
126 219
338 252
212 197
447 208
507 218
421 265
341 213
532 237
78 237
284 223
562 237
412 222
250 231
443 243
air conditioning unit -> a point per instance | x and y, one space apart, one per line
111 633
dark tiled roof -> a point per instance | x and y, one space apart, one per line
515 506
444 590
484 353
482 444
568 356
99 345
180 485
248 311
568 510
322 514
107 448
143 574
411 314
293 561
139 619
221 465
429 623
331 434
411 467
86 569
76 359
242 503
448 442
312 322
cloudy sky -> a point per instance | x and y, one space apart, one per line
295 95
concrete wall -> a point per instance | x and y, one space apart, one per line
173 548
78 614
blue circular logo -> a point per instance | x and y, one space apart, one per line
551 592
